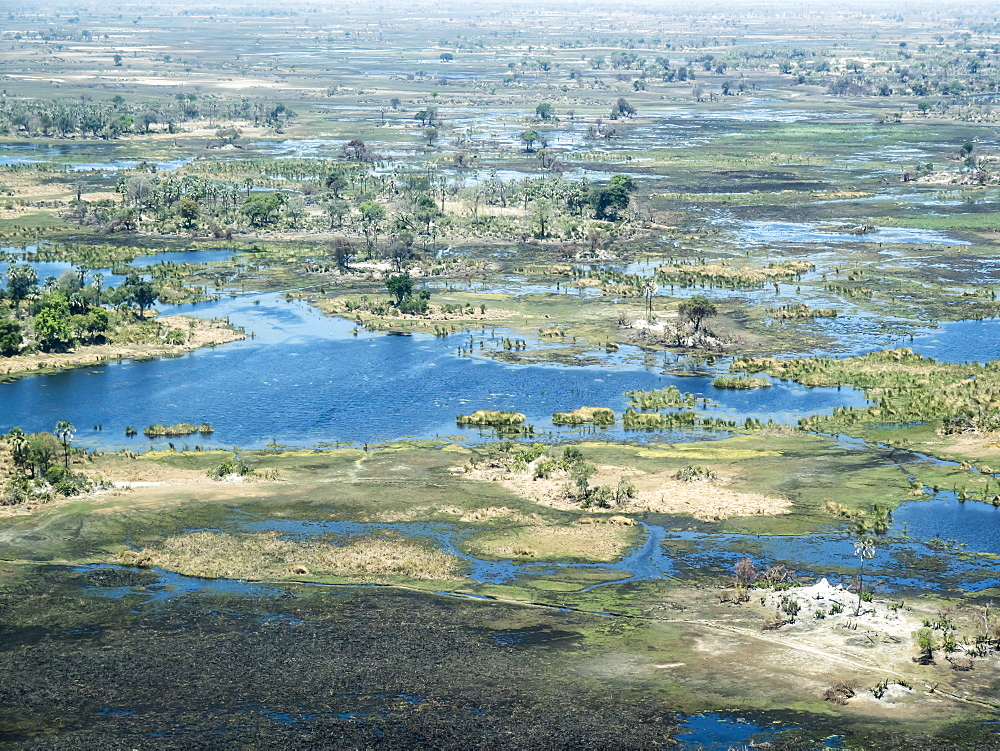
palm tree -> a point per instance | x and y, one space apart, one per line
21 280
875 522
649 291
64 432
864 548
98 282
17 441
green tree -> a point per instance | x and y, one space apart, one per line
21 281
544 111
96 323
400 286
529 137
426 210
622 108
372 217
874 523
697 309
41 450
263 209
188 211
139 292
541 211
609 202
52 323
926 643
228 135
64 432
335 182
17 442
864 549
98 283
10 338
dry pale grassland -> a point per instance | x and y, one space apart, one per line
601 540
659 492
264 556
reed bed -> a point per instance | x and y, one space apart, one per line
265 556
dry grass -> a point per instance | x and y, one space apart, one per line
659 492
606 542
266 557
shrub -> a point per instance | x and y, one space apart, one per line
66 482
235 466
746 571
544 469
839 693
692 473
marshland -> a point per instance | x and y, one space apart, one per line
518 377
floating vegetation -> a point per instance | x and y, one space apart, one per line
488 418
905 387
633 420
600 416
730 277
667 397
177 430
849 290
801 311
741 383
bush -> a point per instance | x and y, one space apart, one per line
175 337
839 693
235 466
16 491
416 306
692 473
66 482
544 469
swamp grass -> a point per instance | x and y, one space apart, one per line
741 383
905 387
266 556
600 416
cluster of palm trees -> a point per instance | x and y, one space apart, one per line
36 452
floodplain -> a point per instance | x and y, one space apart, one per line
419 376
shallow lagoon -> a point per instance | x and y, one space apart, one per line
305 378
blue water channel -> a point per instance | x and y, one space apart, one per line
305 378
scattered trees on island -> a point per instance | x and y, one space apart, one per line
33 465
64 311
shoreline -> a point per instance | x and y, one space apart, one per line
204 333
